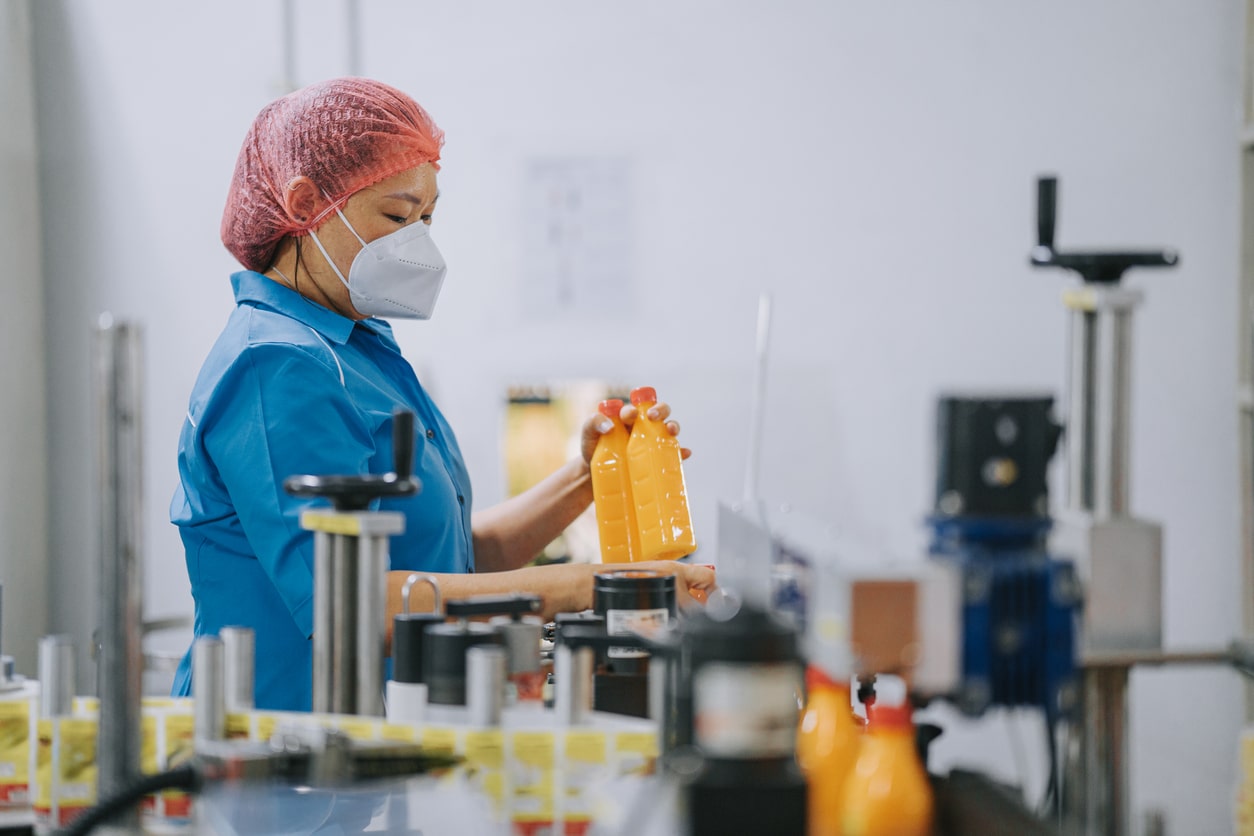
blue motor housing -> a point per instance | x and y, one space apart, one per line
1020 610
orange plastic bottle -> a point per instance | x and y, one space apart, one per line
657 485
827 747
888 793
611 491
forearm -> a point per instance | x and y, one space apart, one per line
508 535
562 588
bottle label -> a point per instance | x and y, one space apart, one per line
624 622
746 711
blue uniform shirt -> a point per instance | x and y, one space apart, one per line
292 387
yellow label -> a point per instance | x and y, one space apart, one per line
534 749
148 763
15 745
330 523
180 730
359 729
485 749
439 740
636 743
1080 299
77 773
238 727
43 765
585 747
84 707
494 786
153 703
266 724
396 731
533 797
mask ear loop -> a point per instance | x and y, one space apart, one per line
323 249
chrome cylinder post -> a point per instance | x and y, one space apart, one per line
1114 363
485 684
1096 786
119 407
239 668
343 623
1098 400
1081 383
324 623
370 633
208 689
573 671
56 676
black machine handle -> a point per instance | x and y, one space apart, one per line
355 493
599 640
516 605
1093 267
403 444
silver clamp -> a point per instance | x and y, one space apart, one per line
437 603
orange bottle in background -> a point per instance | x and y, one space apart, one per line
827 748
888 793
657 485
611 491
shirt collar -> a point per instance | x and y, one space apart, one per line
254 287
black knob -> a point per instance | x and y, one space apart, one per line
1046 210
403 444
356 492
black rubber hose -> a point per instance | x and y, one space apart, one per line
184 777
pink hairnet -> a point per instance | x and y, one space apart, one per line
344 135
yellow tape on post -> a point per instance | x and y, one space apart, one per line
331 523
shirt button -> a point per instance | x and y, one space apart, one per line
461 500
430 433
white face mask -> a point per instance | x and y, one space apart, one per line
398 275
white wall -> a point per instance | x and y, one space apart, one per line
23 413
872 165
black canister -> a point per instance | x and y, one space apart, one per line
409 633
444 658
633 601
634 590
445 645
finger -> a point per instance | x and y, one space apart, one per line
628 414
684 453
659 412
672 427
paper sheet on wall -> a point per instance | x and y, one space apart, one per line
577 236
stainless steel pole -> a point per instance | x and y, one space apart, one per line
119 407
573 671
324 622
1081 380
56 676
1105 752
485 685
208 689
1114 369
372 567
344 624
239 661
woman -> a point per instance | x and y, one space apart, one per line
304 379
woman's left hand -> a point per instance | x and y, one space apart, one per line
599 425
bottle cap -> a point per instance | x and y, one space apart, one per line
611 408
644 394
816 677
890 717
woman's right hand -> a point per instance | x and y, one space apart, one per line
695 579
